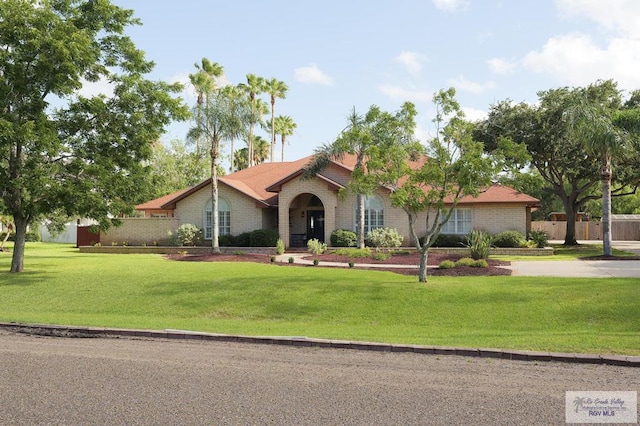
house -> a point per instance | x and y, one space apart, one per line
274 196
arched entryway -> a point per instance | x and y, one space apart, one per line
306 220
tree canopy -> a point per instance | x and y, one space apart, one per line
561 156
63 152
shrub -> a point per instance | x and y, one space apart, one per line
446 264
480 244
315 262
33 236
354 252
449 240
380 255
465 261
272 259
263 238
290 260
539 238
187 234
344 238
242 240
226 240
384 237
351 264
480 263
280 246
509 239
316 247
239 253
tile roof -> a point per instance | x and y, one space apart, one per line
262 182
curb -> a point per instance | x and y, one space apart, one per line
301 341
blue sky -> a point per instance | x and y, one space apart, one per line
336 55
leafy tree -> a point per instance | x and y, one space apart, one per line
569 169
215 123
254 86
606 132
284 126
85 156
454 167
175 168
275 89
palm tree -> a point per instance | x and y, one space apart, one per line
276 89
355 139
236 118
284 126
607 131
210 112
260 153
254 86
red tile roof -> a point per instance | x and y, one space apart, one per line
263 182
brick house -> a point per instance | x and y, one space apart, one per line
273 196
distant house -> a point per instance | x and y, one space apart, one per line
273 196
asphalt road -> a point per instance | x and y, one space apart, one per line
46 380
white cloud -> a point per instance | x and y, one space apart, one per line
620 16
412 61
401 94
450 5
462 84
577 60
100 87
502 66
312 75
474 114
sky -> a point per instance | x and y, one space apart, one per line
338 55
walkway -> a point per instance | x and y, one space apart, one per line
536 268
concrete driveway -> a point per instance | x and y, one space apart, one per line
584 268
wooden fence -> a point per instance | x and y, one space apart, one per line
623 230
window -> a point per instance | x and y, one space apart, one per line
224 219
459 222
373 213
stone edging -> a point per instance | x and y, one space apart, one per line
298 341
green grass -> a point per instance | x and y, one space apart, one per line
62 286
562 252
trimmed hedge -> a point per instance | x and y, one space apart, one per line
344 238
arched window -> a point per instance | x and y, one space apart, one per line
373 213
224 219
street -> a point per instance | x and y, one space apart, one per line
48 380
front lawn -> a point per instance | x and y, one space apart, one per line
62 286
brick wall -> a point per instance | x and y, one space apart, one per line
245 215
135 231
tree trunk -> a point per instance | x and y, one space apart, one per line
422 274
215 245
606 208
17 260
570 235
282 152
273 129
360 219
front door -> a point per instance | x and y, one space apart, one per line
315 225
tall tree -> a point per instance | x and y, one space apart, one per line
253 87
559 154
84 157
356 140
210 127
275 89
237 118
176 167
454 167
607 132
284 126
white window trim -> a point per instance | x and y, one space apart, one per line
458 223
223 216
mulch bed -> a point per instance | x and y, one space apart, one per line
404 259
